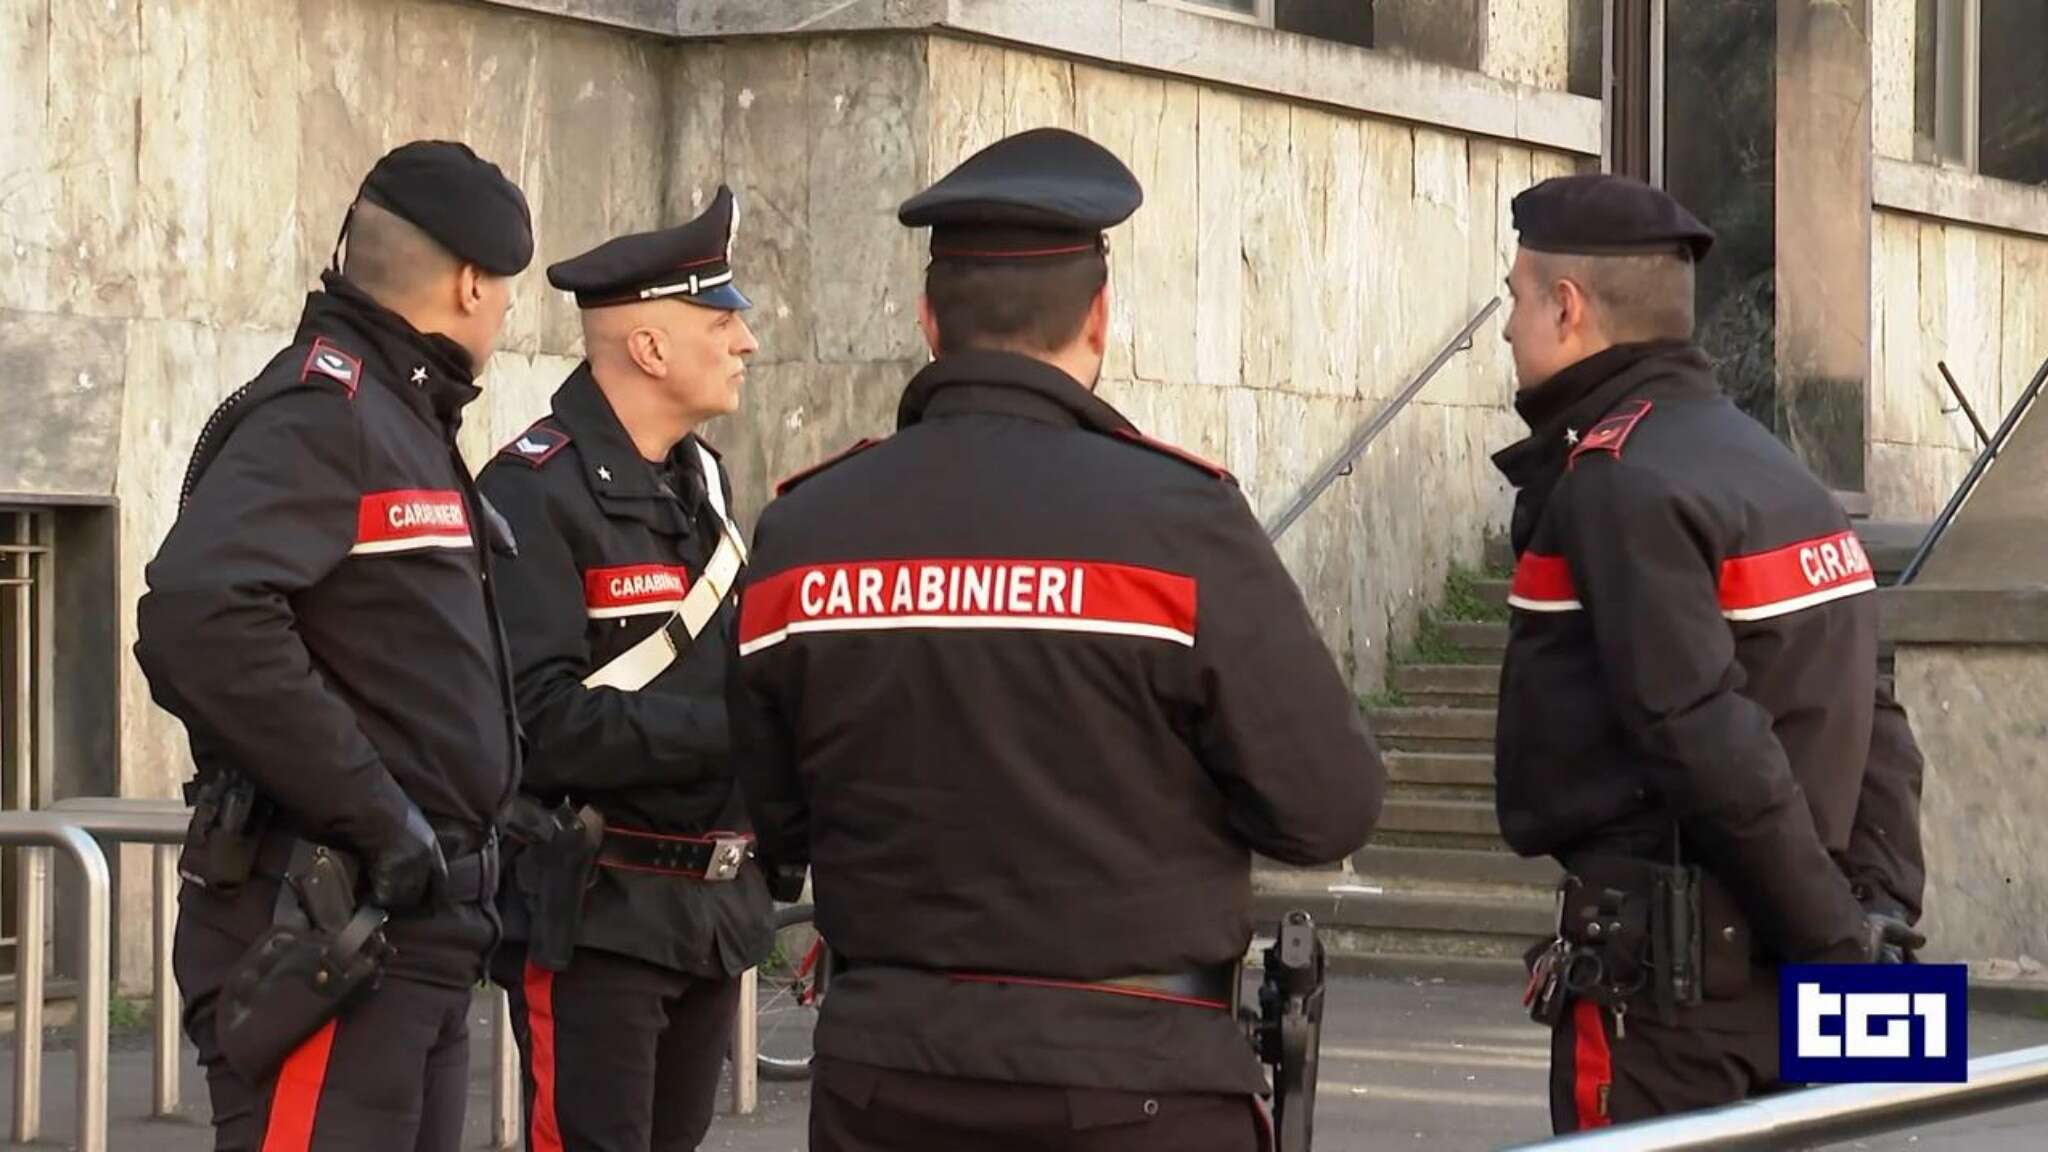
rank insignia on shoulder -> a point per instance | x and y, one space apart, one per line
1611 433
1177 452
537 445
326 360
783 487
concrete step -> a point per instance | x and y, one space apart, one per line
1447 685
1477 641
1386 864
1411 729
1462 817
1492 589
1463 920
1440 769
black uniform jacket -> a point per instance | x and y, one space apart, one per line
320 616
608 546
1693 645
1026 690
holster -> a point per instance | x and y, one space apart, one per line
229 818
554 871
1638 930
321 952
1287 1030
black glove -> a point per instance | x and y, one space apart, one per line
1888 939
406 866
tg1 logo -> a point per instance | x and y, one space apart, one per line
1862 1023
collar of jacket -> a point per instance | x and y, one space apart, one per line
394 350
1577 397
612 465
1007 383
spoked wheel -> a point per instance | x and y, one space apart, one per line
790 991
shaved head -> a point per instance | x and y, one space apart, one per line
391 259
607 330
1634 298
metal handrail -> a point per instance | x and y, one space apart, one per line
1827 1115
1978 468
162 824
1340 464
37 832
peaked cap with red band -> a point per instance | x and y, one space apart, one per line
1042 194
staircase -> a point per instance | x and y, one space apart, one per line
1437 892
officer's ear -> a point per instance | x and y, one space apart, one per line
1574 309
469 288
648 346
928 323
1095 330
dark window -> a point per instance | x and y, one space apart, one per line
1720 134
2012 141
1583 68
1980 87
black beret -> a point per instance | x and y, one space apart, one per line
1606 215
690 262
460 199
1046 192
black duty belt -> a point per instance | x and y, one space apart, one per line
1213 987
714 857
472 874
473 879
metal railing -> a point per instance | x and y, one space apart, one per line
160 824
1340 464
1818 1116
37 832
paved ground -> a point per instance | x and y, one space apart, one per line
1406 1064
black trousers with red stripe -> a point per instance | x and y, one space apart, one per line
391 1073
862 1108
1601 1074
619 1055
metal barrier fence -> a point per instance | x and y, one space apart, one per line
37 832
80 826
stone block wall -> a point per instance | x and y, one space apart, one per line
1978 712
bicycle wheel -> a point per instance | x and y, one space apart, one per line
791 988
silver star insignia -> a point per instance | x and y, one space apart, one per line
419 375
1571 436
604 474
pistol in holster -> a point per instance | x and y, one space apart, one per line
557 861
324 949
1287 1032
1665 937
229 817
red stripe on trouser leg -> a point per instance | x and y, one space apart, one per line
1593 1066
546 1132
297 1095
